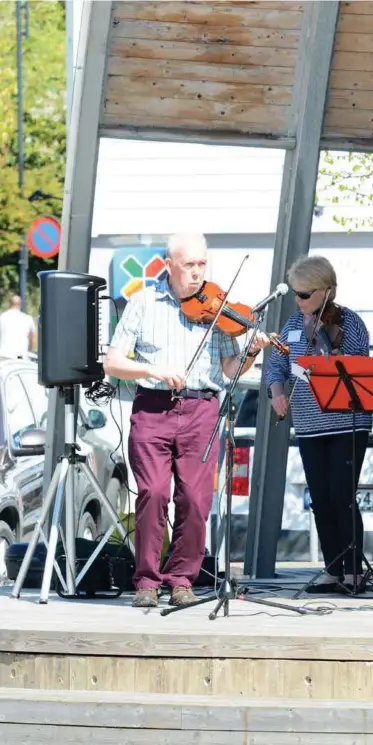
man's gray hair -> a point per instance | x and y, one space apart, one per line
181 240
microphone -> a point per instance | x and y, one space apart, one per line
281 289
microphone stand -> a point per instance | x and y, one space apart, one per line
229 589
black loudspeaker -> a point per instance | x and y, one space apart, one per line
69 327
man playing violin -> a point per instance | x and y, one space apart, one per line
172 418
322 327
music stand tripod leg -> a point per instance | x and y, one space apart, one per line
48 500
322 571
369 570
226 592
354 507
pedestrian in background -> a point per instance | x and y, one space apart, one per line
17 331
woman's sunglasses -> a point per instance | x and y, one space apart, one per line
304 295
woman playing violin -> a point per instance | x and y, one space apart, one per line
322 327
169 433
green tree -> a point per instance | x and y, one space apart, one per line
44 130
346 178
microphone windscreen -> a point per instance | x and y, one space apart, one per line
282 288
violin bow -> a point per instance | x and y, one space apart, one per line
210 329
309 345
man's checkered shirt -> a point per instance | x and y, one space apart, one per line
155 329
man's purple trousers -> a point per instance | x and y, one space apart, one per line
168 438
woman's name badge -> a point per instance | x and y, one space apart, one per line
299 372
294 335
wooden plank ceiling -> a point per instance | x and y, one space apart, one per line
229 67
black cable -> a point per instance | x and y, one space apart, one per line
103 392
120 542
120 430
120 427
100 393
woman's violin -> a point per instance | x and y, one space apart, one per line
234 319
328 327
331 324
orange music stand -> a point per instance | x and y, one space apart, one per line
343 384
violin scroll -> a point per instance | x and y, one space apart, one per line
279 345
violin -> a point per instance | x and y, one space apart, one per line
331 316
234 319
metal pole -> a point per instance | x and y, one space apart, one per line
292 240
69 11
81 167
221 496
314 539
19 96
21 7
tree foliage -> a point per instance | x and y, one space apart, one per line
44 130
346 179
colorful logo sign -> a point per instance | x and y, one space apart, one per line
133 269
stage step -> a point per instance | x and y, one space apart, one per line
36 716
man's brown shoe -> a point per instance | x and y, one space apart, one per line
182 596
146 597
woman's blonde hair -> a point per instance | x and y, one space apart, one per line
314 273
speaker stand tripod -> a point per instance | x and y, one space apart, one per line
229 589
61 490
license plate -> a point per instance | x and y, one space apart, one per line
364 498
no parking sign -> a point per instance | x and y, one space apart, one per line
44 236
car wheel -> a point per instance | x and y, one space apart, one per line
87 527
117 494
6 540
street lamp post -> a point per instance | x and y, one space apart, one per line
38 195
22 25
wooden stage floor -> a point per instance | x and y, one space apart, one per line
113 627
274 673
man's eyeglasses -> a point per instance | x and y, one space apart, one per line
304 295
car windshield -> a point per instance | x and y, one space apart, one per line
20 415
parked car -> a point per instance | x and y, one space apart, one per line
23 408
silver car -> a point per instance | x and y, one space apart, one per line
23 407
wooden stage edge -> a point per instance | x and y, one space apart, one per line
255 651
102 672
114 628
